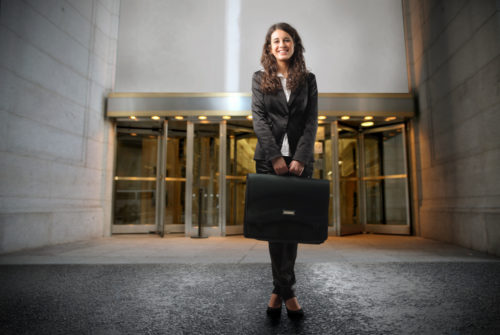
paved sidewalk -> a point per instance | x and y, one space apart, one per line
140 249
361 284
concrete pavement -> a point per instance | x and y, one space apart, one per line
140 249
360 284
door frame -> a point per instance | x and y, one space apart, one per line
388 228
188 207
363 227
135 228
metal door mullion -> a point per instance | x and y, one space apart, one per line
188 197
158 182
163 169
334 135
113 192
361 183
222 176
405 158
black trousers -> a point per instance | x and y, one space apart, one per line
283 255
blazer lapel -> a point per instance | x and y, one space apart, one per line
293 94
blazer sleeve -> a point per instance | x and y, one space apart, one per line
305 146
261 123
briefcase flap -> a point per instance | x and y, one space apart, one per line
286 209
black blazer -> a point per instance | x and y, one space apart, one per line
273 116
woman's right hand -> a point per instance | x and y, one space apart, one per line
279 166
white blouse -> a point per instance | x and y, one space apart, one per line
285 147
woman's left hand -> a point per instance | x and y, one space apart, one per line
296 167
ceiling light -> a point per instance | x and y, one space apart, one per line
179 117
132 117
133 134
226 117
249 117
345 117
390 118
368 117
321 117
202 117
367 124
155 117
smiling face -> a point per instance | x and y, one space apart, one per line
282 45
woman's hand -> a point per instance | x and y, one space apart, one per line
279 166
296 167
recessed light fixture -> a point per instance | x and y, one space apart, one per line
368 117
226 117
179 117
345 117
249 117
155 117
367 124
390 118
133 134
321 117
202 117
131 117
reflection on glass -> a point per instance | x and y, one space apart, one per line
348 170
384 153
386 197
135 199
386 202
206 173
323 161
241 148
176 174
135 202
349 202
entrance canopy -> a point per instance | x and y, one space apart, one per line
384 108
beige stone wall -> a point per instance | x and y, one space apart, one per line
57 63
454 61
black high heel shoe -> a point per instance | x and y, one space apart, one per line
294 314
274 311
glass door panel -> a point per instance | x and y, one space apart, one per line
323 163
135 182
175 177
385 180
348 139
241 145
206 178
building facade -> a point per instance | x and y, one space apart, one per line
115 127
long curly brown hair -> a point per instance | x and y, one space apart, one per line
296 68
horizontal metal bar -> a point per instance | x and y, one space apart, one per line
392 176
243 94
175 179
239 104
236 177
136 178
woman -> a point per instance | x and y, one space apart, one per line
285 113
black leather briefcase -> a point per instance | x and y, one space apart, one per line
286 209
